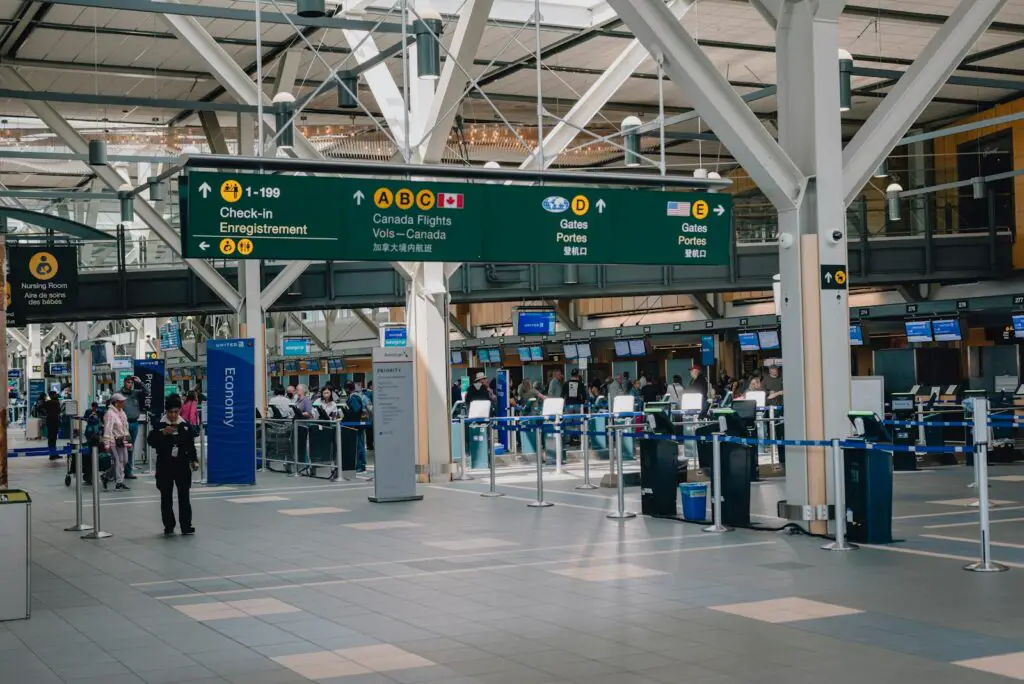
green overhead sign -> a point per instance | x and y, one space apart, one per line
250 216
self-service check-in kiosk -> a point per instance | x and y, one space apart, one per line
661 469
738 462
625 403
868 480
904 410
479 434
528 438
552 410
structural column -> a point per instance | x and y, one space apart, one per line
815 321
81 366
427 318
251 323
35 352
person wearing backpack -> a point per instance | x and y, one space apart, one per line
357 407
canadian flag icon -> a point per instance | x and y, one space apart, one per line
450 200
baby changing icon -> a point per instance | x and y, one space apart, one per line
43 266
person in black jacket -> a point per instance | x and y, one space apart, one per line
174 440
52 411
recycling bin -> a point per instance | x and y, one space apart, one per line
16 531
694 496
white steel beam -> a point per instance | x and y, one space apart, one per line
381 83
231 76
19 337
143 209
281 282
450 87
367 321
728 116
597 96
287 71
921 82
769 9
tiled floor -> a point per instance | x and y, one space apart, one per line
458 589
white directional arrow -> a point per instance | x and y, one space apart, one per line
205 189
359 197
719 210
204 245
828 277
600 206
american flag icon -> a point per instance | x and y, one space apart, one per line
679 209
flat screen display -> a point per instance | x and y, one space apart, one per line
484 355
583 350
495 355
919 331
622 346
768 339
456 357
1018 325
638 347
856 336
524 354
570 351
946 330
749 342
535 322
537 353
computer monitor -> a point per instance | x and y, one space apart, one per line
749 341
692 401
524 354
768 339
856 336
583 350
1018 325
919 331
537 353
456 357
622 346
570 351
757 396
535 322
638 347
946 330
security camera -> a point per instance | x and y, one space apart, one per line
836 236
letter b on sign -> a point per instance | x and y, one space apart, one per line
404 199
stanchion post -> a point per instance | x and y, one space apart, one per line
839 481
295 449
336 477
491 493
463 452
773 449
97 531
263 445
716 485
203 468
620 513
981 440
920 424
559 444
540 502
79 526
585 447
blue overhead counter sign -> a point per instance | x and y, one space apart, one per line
394 336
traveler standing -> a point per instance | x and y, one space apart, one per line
555 386
117 439
303 406
134 398
773 386
456 392
51 414
280 407
190 409
698 383
326 408
479 391
356 406
574 392
614 388
174 440
675 392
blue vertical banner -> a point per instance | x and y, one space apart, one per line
231 412
153 376
501 388
36 389
707 350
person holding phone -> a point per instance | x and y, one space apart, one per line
174 440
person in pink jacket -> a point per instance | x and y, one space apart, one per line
117 439
190 409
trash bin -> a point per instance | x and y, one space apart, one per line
16 531
694 496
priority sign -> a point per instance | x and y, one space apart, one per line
833 277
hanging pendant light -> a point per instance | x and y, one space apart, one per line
348 92
284 106
892 196
310 9
127 203
845 81
427 30
632 139
156 190
978 188
97 153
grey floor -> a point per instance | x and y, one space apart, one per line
298 580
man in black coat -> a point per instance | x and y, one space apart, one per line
174 440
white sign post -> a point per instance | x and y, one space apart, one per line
394 420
